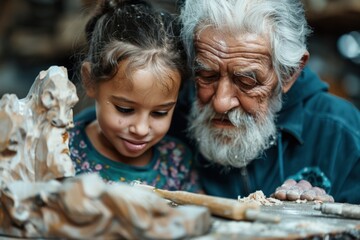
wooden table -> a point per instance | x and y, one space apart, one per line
298 221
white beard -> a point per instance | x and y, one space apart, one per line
236 146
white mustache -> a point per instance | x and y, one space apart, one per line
235 146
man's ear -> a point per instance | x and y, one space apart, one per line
291 81
86 80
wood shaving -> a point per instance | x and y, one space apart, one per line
259 198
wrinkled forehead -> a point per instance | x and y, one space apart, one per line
225 44
228 37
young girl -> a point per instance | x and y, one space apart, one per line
133 71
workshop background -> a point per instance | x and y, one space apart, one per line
35 34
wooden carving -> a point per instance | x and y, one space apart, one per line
85 207
34 153
34 142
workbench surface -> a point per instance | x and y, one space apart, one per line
298 221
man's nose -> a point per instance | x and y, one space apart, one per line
225 97
140 126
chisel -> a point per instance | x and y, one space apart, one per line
218 206
341 209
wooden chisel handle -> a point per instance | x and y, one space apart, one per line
346 210
222 207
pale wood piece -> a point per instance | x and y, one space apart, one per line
218 206
34 141
85 207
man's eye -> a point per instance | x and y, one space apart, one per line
245 82
206 77
159 113
124 110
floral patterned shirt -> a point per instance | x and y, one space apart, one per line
170 167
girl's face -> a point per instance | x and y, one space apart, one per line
132 115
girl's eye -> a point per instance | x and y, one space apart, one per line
160 113
124 110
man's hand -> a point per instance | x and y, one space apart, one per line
291 190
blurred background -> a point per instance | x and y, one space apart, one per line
35 34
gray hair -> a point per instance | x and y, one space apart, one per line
283 22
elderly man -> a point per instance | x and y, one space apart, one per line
261 116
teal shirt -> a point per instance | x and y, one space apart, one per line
318 140
170 167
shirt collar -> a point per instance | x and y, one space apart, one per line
291 121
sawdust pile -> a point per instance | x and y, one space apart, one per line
259 198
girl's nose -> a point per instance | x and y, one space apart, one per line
140 127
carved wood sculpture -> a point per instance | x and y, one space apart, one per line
34 152
37 124
85 207
14 162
